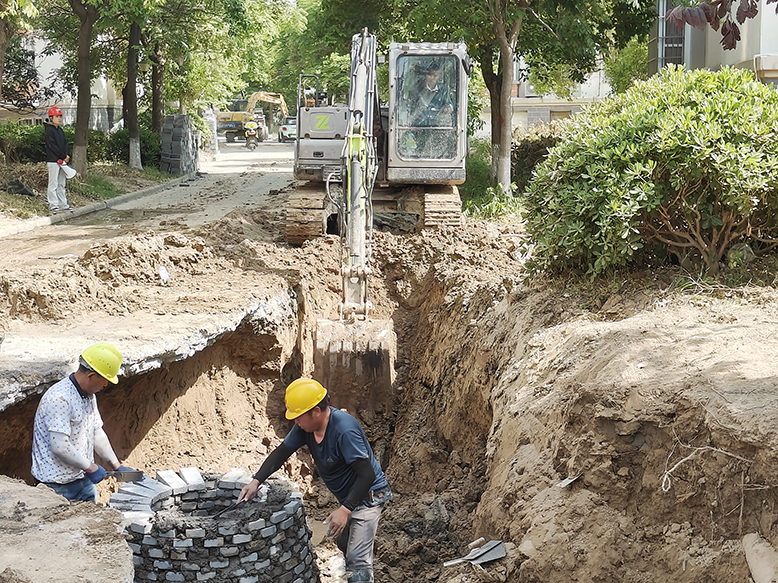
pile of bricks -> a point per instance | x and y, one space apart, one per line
174 535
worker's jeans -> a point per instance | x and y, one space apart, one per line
78 491
56 190
356 542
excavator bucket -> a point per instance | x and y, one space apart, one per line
355 361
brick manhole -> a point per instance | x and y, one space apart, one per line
175 536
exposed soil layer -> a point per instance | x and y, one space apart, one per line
658 402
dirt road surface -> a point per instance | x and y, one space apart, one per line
626 433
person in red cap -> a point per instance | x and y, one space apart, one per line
56 155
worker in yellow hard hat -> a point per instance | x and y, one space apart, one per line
346 463
68 429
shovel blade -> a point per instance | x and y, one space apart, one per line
355 362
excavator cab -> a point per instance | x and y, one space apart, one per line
427 126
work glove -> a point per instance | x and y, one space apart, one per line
125 469
60 162
97 476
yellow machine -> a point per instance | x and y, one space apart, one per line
233 123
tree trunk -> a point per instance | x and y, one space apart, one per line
131 98
157 90
503 153
88 15
493 83
6 32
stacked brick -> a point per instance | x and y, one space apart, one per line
178 148
174 535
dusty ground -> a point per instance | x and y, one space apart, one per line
656 393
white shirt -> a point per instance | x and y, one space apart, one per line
63 410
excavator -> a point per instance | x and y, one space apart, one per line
233 123
406 157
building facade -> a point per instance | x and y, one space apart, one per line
701 48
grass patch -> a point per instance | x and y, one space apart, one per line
104 181
93 188
480 199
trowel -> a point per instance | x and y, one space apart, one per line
490 551
125 476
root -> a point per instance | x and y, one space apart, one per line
668 474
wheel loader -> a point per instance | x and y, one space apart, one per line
361 159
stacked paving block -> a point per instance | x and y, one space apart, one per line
174 535
179 148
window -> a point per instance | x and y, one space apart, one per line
426 107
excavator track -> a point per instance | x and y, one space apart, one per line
442 206
306 214
436 205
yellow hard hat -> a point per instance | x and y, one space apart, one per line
303 395
104 359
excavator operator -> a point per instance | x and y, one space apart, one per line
346 463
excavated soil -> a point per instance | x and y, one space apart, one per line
655 401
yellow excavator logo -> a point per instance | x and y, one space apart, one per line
322 122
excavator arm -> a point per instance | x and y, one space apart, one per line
360 166
267 97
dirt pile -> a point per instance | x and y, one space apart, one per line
42 532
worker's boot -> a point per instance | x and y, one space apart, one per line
360 576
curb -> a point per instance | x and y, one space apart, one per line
31 224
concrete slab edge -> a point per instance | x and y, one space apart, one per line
37 222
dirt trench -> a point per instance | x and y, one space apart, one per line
660 404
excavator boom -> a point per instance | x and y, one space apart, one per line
355 355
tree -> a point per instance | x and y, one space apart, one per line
14 15
87 11
624 67
544 33
718 15
21 81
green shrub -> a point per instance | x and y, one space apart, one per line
22 143
118 147
26 144
685 163
529 148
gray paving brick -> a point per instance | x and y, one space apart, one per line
249 558
192 477
195 532
140 526
173 481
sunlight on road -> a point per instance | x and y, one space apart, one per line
235 158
